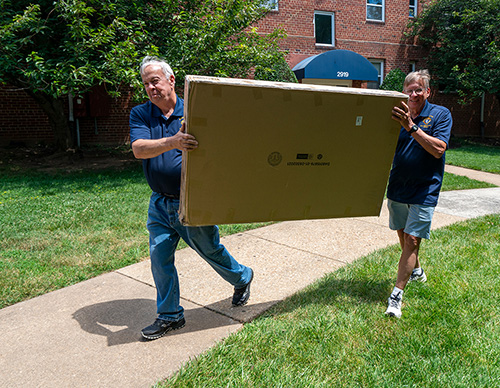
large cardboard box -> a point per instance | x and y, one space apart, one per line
271 151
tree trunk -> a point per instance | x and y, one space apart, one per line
54 108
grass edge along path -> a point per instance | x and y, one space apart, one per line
474 156
63 228
334 332
58 230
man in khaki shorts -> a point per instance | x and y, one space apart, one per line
416 177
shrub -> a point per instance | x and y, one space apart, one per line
394 80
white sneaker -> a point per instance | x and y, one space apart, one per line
394 308
418 276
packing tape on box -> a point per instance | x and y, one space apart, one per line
199 152
199 121
273 214
230 215
217 91
318 100
257 94
206 218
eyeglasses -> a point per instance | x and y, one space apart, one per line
418 92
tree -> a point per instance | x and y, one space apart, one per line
463 38
53 49
394 80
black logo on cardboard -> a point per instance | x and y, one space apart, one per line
274 158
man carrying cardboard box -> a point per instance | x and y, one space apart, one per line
158 137
416 177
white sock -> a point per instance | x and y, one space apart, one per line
397 293
418 271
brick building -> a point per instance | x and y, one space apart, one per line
373 29
23 122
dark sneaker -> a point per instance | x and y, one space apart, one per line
242 294
418 276
161 327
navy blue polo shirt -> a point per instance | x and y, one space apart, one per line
416 176
147 121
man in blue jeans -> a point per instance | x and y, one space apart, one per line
416 177
158 137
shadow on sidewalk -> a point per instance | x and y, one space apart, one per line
121 321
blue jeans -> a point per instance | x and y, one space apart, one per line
165 230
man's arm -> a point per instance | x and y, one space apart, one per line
435 147
150 148
432 145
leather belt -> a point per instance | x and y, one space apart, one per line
170 196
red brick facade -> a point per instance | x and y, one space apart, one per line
467 118
383 41
371 39
111 129
22 121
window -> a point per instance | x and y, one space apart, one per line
413 67
272 5
413 8
375 10
324 27
379 65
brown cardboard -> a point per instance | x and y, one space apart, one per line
272 151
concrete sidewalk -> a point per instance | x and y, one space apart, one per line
89 334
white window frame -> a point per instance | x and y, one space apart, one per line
381 73
413 66
413 8
382 6
332 16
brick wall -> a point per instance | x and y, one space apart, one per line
22 121
467 118
108 130
373 40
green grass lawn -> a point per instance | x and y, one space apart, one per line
60 229
458 182
334 333
475 156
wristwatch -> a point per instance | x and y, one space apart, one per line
414 128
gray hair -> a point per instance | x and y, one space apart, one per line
416 76
150 60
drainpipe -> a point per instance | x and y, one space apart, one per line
71 118
482 115
70 105
77 133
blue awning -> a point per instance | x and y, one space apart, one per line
336 64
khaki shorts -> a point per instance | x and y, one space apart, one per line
413 219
